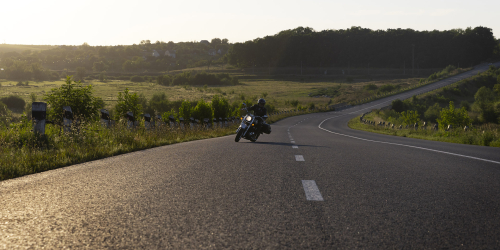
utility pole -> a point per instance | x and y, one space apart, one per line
413 59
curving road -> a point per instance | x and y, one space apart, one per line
312 184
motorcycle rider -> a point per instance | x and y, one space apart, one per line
259 110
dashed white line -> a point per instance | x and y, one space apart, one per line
299 158
295 146
311 190
292 141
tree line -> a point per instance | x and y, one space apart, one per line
361 47
36 65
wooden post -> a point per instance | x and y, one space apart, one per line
39 114
67 118
221 122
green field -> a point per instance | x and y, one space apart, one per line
277 92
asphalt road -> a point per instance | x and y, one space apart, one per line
312 184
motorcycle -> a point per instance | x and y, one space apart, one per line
248 128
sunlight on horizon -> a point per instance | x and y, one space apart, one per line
114 22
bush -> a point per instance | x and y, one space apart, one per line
80 98
202 110
370 86
220 106
13 102
159 103
398 105
137 79
127 102
387 88
432 113
185 110
294 103
454 117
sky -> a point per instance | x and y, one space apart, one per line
125 22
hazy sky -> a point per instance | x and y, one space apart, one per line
112 22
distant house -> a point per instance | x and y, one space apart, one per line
170 53
212 52
156 53
219 51
205 41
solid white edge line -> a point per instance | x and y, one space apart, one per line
404 145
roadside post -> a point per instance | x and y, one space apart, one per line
105 119
181 123
191 123
67 118
131 120
171 120
147 121
39 116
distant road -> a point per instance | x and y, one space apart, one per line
312 184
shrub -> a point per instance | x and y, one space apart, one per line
202 110
185 109
454 117
410 117
432 113
465 104
370 86
13 102
387 88
127 102
160 103
80 98
294 103
220 106
137 79
398 105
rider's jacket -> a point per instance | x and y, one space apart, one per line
258 110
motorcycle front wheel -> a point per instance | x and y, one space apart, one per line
238 135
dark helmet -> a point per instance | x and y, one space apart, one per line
262 101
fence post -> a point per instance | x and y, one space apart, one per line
207 122
105 119
160 122
39 114
67 118
171 120
130 118
181 122
147 121
191 123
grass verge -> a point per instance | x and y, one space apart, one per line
485 135
23 153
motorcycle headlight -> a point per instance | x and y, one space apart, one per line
249 118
